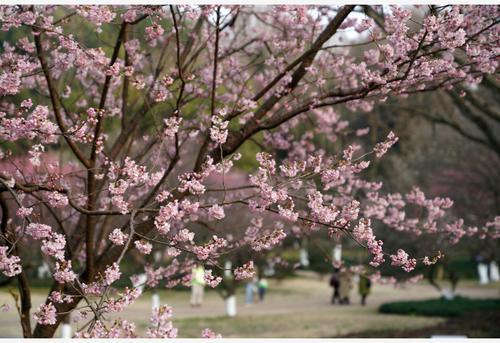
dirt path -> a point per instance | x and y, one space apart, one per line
305 295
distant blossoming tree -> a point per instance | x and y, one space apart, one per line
113 119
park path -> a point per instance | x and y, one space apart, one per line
306 294
303 296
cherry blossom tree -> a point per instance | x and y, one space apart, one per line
109 143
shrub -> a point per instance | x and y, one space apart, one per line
441 307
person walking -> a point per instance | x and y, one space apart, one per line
345 287
262 286
364 288
249 289
197 285
335 284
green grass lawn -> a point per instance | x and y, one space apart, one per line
296 325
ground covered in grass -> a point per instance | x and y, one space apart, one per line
322 323
477 324
294 308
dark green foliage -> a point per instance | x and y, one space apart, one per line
441 307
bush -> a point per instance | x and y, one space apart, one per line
441 307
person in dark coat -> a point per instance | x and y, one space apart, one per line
364 288
335 284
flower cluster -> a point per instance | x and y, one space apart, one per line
267 242
36 125
401 260
143 246
123 301
9 265
207 333
216 212
210 249
57 200
171 126
38 231
211 280
54 246
218 130
97 15
162 326
24 212
154 31
246 271
380 149
63 272
46 314
118 237
364 233
173 212
112 274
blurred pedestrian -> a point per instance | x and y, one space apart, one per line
197 285
345 287
364 288
262 286
335 284
249 289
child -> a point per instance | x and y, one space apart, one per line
262 286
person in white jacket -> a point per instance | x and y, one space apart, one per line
197 285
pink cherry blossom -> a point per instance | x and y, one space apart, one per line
57 200
210 279
218 131
380 149
24 212
38 231
118 237
63 272
245 272
401 260
162 326
144 247
9 265
112 274
207 333
46 314
216 212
